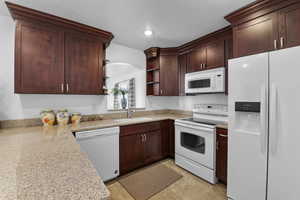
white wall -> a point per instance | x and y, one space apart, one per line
20 106
126 63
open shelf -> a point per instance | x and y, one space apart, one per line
153 72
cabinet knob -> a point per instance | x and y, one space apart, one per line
62 87
67 87
275 44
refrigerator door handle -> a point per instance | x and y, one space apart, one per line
263 119
273 119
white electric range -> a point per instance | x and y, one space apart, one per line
195 140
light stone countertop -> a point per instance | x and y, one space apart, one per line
47 164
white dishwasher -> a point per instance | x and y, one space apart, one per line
102 147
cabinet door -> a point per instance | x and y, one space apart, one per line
39 64
168 75
131 152
197 59
84 60
182 64
256 36
215 54
222 148
165 132
172 138
289 26
153 146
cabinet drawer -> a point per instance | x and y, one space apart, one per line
139 128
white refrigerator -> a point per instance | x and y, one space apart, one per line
264 126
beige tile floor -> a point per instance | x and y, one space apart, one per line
189 187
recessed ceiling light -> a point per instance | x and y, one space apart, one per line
148 33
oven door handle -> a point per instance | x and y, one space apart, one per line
194 127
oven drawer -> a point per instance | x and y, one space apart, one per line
197 144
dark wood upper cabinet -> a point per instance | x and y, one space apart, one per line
197 59
215 52
209 51
182 64
83 64
169 75
166 71
256 36
265 26
289 26
162 72
54 55
38 59
222 155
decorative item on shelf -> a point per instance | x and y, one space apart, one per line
75 118
48 117
62 117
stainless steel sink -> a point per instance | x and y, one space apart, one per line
124 120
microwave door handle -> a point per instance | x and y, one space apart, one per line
213 83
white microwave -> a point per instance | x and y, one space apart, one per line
208 81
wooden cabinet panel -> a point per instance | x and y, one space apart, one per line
289 26
131 152
257 36
153 147
57 56
165 132
215 54
142 144
172 138
168 138
197 59
84 71
182 64
39 58
222 155
139 128
168 75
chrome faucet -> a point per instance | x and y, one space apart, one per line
129 112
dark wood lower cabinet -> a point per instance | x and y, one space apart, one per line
143 144
153 147
222 149
168 138
131 152
172 138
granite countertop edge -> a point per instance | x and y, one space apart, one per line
47 148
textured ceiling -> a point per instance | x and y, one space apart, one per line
174 22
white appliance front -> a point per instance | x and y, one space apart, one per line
208 81
248 131
102 147
284 159
196 143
